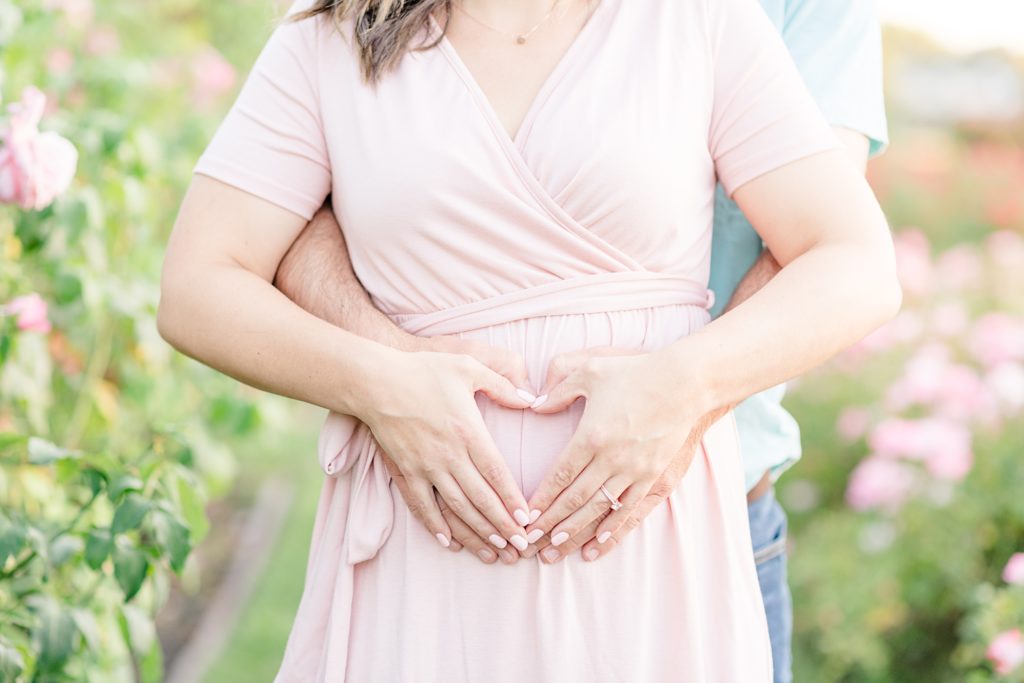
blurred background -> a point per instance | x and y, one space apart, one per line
155 516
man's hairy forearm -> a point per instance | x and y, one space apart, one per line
317 274
763 270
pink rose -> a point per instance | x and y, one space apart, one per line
914 261
31 311
212 76
853 423
78 12
943 445
1006 383
997 337
1014 570
879 482
960 267
34 167
1006 651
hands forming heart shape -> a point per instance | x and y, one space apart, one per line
637 436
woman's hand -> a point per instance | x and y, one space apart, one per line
424 416
506 363
639 420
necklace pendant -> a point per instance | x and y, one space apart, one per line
520 39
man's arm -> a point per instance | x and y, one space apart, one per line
317 274
766 267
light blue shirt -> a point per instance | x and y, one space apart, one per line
837 46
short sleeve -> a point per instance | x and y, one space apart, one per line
762 115
838 48
271 143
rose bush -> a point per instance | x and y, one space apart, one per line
110 443
908 516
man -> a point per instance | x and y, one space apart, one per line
837 47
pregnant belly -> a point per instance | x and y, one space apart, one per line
531 442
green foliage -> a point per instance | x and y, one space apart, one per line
110 443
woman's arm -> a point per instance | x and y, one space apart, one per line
219 306
838 283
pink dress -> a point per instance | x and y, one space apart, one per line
590 227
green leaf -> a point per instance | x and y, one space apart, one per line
193 510
172 537
67 288
43 452
122 483
12 538
139 628
65 547
11 662
130 565
54 634
129 513
9 439
151 666
97 547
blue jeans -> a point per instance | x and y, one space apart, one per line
768 533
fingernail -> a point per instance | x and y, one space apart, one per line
550 554
534 514
507 557
521 517
486 555
540 401
442 539
526 395
559 538
534 535
519 542
603 537
590 554
497 540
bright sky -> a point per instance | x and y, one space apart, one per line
961 25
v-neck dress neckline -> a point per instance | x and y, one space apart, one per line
515 144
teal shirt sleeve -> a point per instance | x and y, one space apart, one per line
837 46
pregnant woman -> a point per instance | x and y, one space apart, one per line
537 178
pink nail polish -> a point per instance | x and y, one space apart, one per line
534 535
486 555
497 540
590 554
603 537
559 538
519 542
550 554
540 401
442 539
534 515
526 395
521 517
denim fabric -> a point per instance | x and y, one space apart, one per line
768 534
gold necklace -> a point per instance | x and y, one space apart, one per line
520 38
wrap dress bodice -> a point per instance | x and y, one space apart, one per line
590 227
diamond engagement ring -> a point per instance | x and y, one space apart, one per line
611 499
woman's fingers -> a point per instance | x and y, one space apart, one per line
472 499
464 535
577 455
595 508
551 554
578 494
513 515
498 388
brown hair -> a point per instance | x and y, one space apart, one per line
383 28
